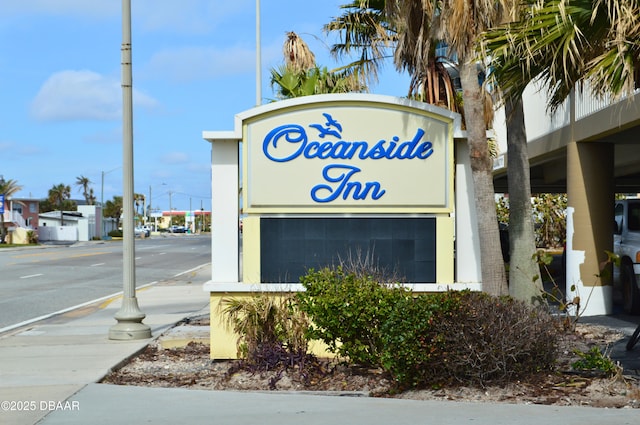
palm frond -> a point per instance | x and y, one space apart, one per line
297 54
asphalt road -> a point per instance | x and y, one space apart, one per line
41 281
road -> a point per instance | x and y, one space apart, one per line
41 281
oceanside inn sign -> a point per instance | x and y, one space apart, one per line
348 157
323 177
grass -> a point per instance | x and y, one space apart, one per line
15 245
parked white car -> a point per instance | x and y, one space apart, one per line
142 232
626 244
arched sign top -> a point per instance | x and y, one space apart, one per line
346 154
371 99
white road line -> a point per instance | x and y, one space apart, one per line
66 310
30 276
97 264
190 270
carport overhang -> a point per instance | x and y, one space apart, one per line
590 159
618 124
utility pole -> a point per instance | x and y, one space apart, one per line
170 211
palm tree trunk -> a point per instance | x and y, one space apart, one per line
523 269
494 279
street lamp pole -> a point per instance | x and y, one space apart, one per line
129 317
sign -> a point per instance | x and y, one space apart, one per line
1 203
344 158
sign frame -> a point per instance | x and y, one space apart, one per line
385 158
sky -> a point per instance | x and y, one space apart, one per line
194 69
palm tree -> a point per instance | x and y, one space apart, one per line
7 188
364 28
113 209
561 44
290 83
57 195
459 24
565 44
523 266
414 30
92 197
616 68
300 76
297 55
84 183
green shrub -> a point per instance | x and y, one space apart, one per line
264 322
426 340
264 319
347 309
272 336
468 338
116 233
595 361
411 344
32 237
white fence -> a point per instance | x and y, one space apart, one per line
57 233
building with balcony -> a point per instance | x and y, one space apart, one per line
19 213
589 150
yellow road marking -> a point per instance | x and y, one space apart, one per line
108 301
60 254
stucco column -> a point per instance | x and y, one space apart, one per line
224 211
589 224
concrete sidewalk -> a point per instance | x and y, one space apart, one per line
52 360
49 372
107 404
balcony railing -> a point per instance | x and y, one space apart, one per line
14 218
540 121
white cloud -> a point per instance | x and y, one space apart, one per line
93 8
107 137
82 95
15 149
175 158
200 63
5 146
186 16
200 167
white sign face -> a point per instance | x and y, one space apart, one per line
348 157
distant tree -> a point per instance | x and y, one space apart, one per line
67 205
57 195
139 199
87 192
92 197
7 188
113 208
